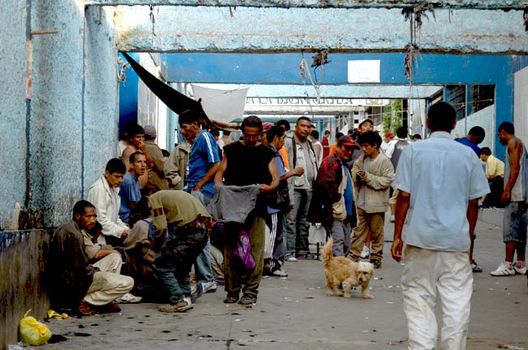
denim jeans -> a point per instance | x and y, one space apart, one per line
296 225
176 258
202 266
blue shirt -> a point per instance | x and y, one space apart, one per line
348 195
465 141
204 153
130 192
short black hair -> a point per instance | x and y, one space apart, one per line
327 132
214 131
401 132
80 207
275 130
338 135
165 153
441 116
478 131
507 127
315 134
188 117
252 122
417 137
371 138
115 165
283 123
486 151
134 130
303 117
132 158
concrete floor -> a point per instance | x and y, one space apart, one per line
295 313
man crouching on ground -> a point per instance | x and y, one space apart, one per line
76 285
183 226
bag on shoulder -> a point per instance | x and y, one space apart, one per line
280 198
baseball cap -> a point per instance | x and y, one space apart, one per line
150 131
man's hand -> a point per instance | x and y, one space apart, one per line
197 188
125 233
396 249
105 252
266 188
298 171
506 197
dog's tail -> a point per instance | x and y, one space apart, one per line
327 252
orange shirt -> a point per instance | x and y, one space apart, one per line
283 152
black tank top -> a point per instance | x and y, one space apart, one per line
247 165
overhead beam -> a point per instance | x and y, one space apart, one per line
450 4
250 29
359 91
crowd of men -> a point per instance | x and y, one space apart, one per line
232 211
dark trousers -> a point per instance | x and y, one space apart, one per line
493 199
234 272
177 255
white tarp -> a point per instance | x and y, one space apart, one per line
221 105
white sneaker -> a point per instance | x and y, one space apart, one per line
291 258
503 270
365 253
519 270
392 218
209 287
128 298
183 305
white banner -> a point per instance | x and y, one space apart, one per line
221 105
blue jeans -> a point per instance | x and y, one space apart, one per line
202 266
297 226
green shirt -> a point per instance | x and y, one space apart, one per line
174 207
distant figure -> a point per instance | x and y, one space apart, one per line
318 147
495 175
440 182
156 176
333 201
475 136
515 198
416 137
77 286
325 142
372 174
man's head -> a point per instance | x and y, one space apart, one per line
370 142
476 135
189 124
84 215
150 133
251 130
303 128
441 117
345 147
506 132
366 125
485 152
284 124
416 137
401 132
136 136
327 133
114 172
138 163
276 136
315 134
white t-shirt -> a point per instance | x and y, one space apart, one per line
441 175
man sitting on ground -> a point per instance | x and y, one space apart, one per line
76 284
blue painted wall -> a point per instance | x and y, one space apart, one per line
128 96
283 68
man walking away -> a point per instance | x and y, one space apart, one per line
440 182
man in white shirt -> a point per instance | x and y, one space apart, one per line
440 182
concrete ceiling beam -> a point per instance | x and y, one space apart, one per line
451 4
247 29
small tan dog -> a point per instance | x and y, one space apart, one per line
342 274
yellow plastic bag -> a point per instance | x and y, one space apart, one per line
33 332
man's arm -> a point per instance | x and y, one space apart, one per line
402 206
515 152
274 178
207 177
382 181
299 171
472 215
96 196
219 176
